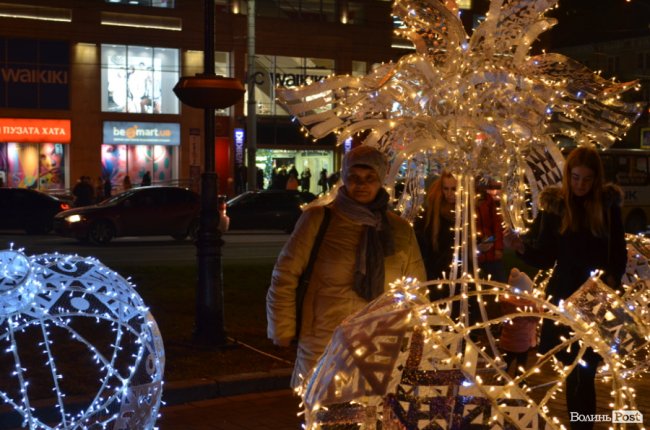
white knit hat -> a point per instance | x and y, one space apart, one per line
367 156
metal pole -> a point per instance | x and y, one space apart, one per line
251 125
209 326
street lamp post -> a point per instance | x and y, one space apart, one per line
208 91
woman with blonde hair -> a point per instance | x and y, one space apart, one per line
579 229
434 228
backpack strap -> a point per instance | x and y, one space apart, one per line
303 281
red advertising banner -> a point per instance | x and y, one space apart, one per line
23 130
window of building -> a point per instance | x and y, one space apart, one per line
33 165
359 68
119 161
286 72
139 79
151 3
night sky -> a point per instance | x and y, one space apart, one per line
584 21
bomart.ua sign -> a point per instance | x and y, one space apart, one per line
142 133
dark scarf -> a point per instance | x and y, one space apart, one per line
376 241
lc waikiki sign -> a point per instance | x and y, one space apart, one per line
142 133
24 130
34 74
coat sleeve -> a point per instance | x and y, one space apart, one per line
540 242
415 264
292 261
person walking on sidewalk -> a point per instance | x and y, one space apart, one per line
365 247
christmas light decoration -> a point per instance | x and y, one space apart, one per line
478 106
63 318
405 362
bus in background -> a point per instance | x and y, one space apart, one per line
630 169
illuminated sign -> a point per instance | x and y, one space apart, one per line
142 133
347 144
287 80
23 130
239 146
34 74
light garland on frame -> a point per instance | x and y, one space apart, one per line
479 106
405 362
56 298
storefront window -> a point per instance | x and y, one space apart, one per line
33 165
119 161
139 79
288 72
134 148
306 163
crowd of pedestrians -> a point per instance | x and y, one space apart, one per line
87 192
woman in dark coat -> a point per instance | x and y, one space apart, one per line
579 229
305 179
434 230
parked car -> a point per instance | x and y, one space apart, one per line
145 211
267 209
29 210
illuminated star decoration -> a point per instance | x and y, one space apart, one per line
476 105
67 320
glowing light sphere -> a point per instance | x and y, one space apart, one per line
405 362
68 321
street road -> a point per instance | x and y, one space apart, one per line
238 246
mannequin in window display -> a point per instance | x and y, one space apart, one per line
136 88
146 99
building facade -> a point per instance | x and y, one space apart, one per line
87 85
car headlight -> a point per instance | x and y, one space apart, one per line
73 218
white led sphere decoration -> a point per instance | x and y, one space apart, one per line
67 321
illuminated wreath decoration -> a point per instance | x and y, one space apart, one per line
55 305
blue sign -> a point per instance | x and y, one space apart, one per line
142 133
34 74
239 145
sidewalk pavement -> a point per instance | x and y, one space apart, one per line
271 410
260 400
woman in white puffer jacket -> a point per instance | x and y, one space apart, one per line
364 248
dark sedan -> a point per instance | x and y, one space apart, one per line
29 210
267 209
145 211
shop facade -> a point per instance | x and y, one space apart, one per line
34 153
135 148
110 81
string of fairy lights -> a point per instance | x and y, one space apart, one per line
477 106
91 318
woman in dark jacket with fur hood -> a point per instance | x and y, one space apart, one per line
579 229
